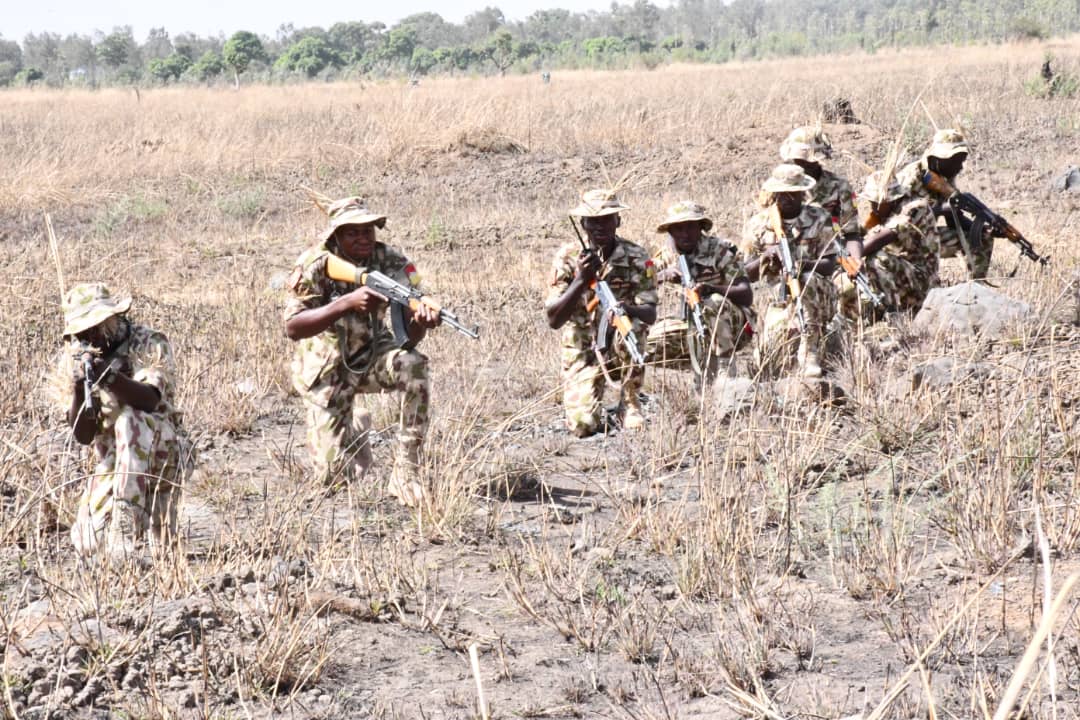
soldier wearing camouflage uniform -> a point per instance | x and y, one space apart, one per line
901 250
809 232
627 269
143 454
345 350
716 268
945 157
807 147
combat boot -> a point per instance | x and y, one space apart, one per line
405 477
632 417
809 361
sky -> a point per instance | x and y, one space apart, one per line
210 17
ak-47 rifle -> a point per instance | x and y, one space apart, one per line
852 267
790 272
400 297
609 305
691 299
981 218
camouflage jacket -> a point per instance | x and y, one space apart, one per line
910 178
146 357
916 234
833 193
628 271
715 262
353 337
809 234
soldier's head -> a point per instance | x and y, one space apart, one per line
947 153
93 315
686 222
599 213
881 195
352 227
787 186
806 147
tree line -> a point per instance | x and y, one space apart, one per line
634 34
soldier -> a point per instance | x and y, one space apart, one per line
122 390
344 350
901 250
627 269
808 231
945 157
716 270
807 147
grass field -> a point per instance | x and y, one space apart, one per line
888 558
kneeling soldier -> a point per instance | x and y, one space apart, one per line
122 392
345 350
594 348
716 294
788 245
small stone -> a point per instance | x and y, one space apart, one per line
77 655
189 699
668 592
34 671
246 574
325 699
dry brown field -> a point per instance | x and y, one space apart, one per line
888 557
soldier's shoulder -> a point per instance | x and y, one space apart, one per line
143 335
391 255
633 250
312 254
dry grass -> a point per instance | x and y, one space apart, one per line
760 565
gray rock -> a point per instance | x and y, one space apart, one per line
946 371
1068 181
732 394
970 309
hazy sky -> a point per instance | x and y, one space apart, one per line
209 17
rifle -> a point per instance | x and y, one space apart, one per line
88 382
624 326
852 267
691 299
791 273
981 217
400 296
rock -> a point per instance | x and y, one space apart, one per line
33 671
1068 181
732 394
946 371
970 308
77 655
246 575
189 699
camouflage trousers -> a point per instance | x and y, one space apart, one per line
584 381
902 284
668 342
338 422
953 246
779 338
136 485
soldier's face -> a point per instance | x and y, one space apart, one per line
356 241
601 230
686 235
948 167
790 203
812 169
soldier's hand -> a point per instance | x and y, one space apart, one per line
426 316
588 265
669 275
364 299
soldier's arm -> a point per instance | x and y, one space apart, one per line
312 321
560 308
645 312
878 239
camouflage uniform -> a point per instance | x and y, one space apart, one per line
354 356
143 458
809 236
912 179
629 273
904 271
834 193
716 263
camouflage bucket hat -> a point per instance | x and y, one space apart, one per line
597 203
685 211
350 211
947 143
788 178
806 143
90 304
874 189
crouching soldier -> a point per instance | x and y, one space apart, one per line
900 249
344 350
802 298
122 392
715 295
589 354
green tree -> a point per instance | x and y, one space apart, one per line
116 48
242 49
170 68
351 40
423 60
157 44
500 50
311 55
207 67
10 61
29 76
400 43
